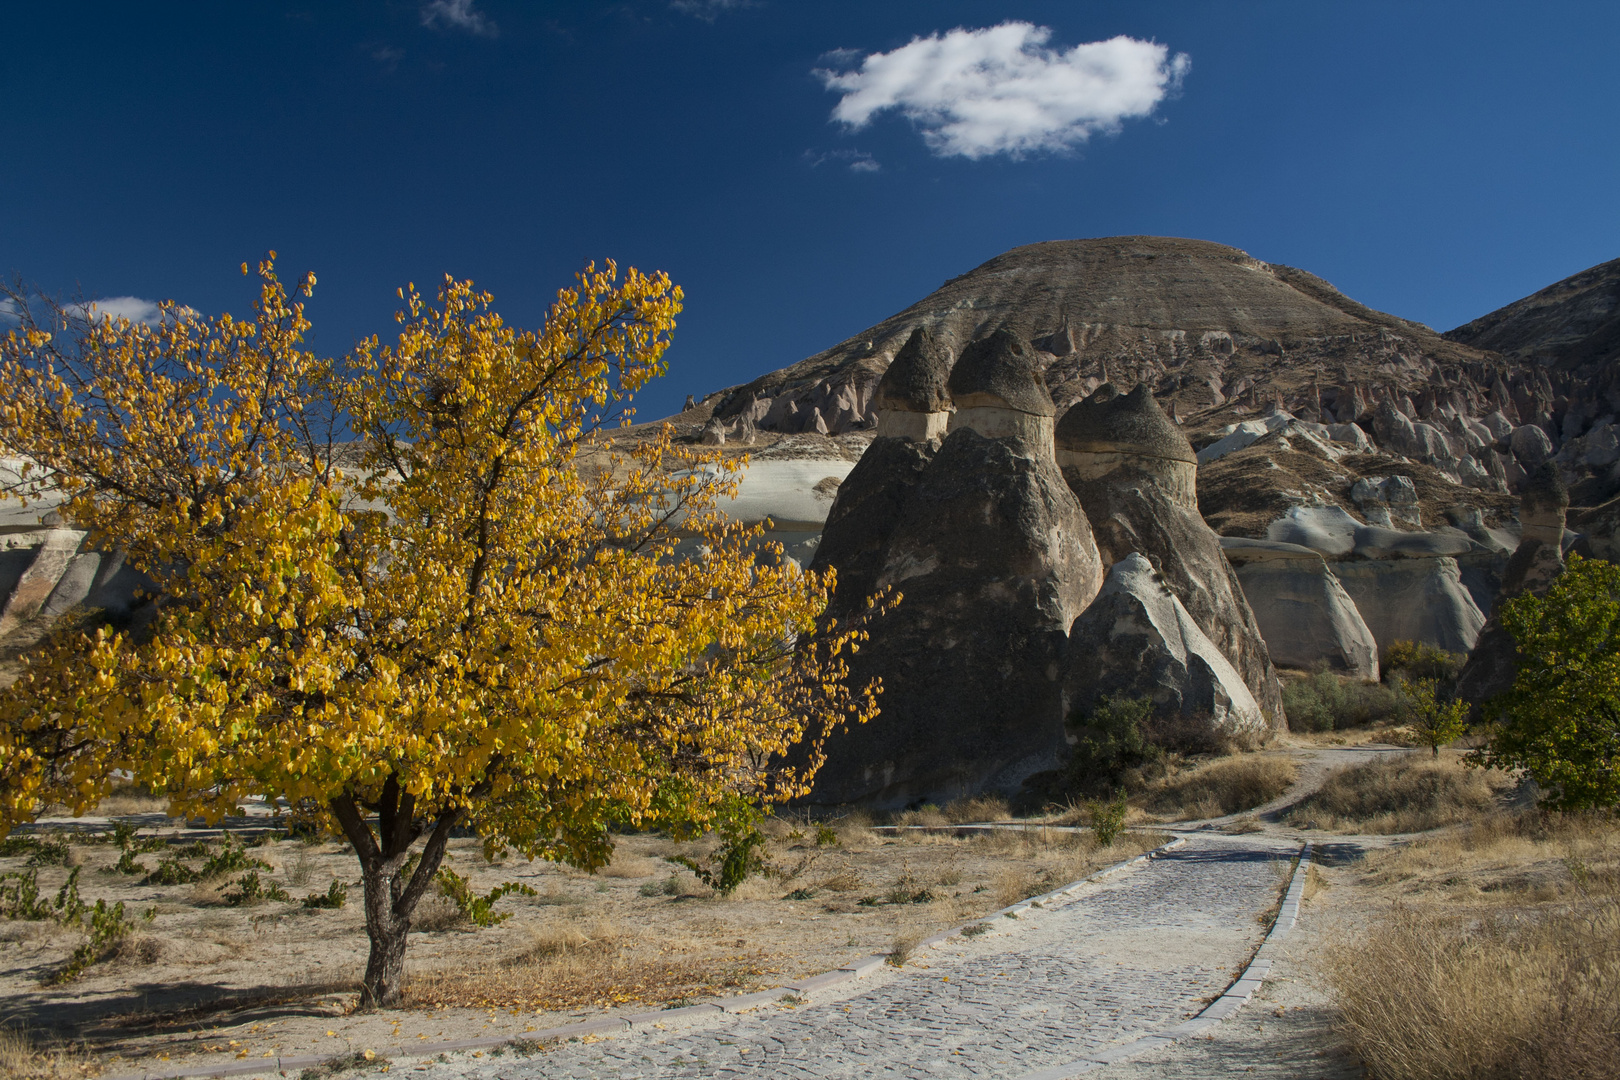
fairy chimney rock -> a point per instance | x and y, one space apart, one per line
911 400
1543 505
1127 438
999 392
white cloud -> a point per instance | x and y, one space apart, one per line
858 160
458 15
977 93
708 10
8 312
132 308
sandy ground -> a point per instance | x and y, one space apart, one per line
206 978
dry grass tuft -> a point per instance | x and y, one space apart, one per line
437 913
631 866
1400 793
1433 996
928 815
572 966
126 799
1013 885
843 881
1220 787
20 1059
977 809
905 943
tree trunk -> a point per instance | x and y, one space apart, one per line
384 987
390 899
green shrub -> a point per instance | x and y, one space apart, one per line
19 897
739 855
251 889
479 910
336 895
1330 702
1109 741
1107 819
171 872
826 836
50 851
105 926
229 859
1415 660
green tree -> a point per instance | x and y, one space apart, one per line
1561 720
1435 721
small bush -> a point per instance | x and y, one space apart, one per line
10 847
1108 741
738 857
336 895
51 851
20 899
105 926
478 910
826 836
1329 702
1415 660
1107 819
670 886
1397 793
171 872
905 943
251 889
229 859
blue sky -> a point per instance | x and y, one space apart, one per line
1434 160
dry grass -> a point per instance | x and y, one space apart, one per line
1500 957
125 799
1220 787
1401 793
1434 996
977 809
578 965
20 1059
927 815
435 914
905 943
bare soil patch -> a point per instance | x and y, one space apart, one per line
207 977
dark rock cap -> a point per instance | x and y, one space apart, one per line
1003 366
1544 491
915 381
1108 422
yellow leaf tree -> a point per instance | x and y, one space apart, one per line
483 613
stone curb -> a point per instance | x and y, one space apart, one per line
643 1021
1231 1000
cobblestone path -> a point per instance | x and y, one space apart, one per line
1135 953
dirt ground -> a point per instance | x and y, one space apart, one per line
207 977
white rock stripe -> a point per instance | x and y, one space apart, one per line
613 1025
1235 997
